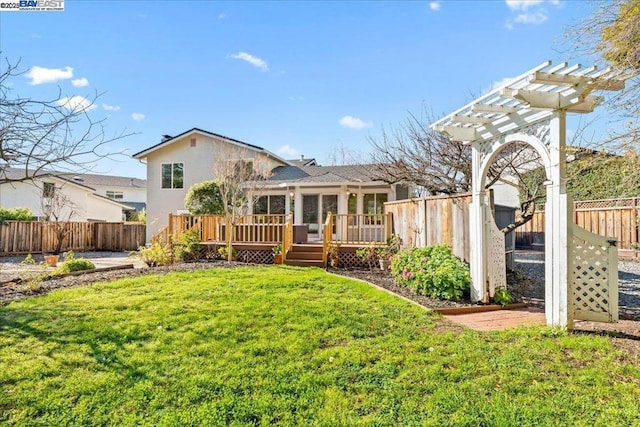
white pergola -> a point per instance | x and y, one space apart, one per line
532 109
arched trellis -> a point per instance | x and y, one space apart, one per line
532 108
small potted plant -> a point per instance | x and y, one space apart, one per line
394 244
333 255
385 259
223 251
277 254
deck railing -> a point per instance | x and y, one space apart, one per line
287 240
212 228
327 237
357 229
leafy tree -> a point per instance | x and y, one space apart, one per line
597 175
611 34
204 198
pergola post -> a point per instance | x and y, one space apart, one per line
557 308
478 238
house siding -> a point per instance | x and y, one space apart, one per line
198 166
87 207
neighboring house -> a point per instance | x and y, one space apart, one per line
298 186
35 194
129 191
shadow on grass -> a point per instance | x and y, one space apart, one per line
105 343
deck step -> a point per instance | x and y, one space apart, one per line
306 248
311 256
304 263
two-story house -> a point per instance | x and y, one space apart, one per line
300 186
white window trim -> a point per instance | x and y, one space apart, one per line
161 177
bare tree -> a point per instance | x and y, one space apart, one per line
413 153
238 175
54 135
58 209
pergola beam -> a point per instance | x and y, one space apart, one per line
493 109
472 119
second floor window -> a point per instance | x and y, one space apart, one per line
172 175
48 189
115 195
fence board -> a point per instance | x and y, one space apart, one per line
610 218
23 237
433 220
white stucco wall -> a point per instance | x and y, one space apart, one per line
198 166
129 194
505 195
86 206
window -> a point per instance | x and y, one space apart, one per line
115 195
48 189
243 169
374 203
172 175
271 205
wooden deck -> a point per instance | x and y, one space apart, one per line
500 319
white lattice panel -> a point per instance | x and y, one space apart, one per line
594 276
497 263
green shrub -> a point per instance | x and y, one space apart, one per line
155 255
432 271
223 251
74 264
16 214
187 246
368 255
503 297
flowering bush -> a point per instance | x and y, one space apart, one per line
432 271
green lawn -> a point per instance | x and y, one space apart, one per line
281 345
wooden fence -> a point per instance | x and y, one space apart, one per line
23 237
619 218
433 220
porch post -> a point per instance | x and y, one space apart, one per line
477 213
557 293
297 206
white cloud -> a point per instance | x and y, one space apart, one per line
435 6
76 103
354 123
138 117
296 98
521 4
111 107
253 60
534 18
222 16
528 12
80 82
288 151
39 75
498 83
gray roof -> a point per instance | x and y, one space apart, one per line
303 162
83 179
93 180
323 174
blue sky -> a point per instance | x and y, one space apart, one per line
292 77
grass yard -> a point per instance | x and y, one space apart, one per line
289 346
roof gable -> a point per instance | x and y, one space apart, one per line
143 154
